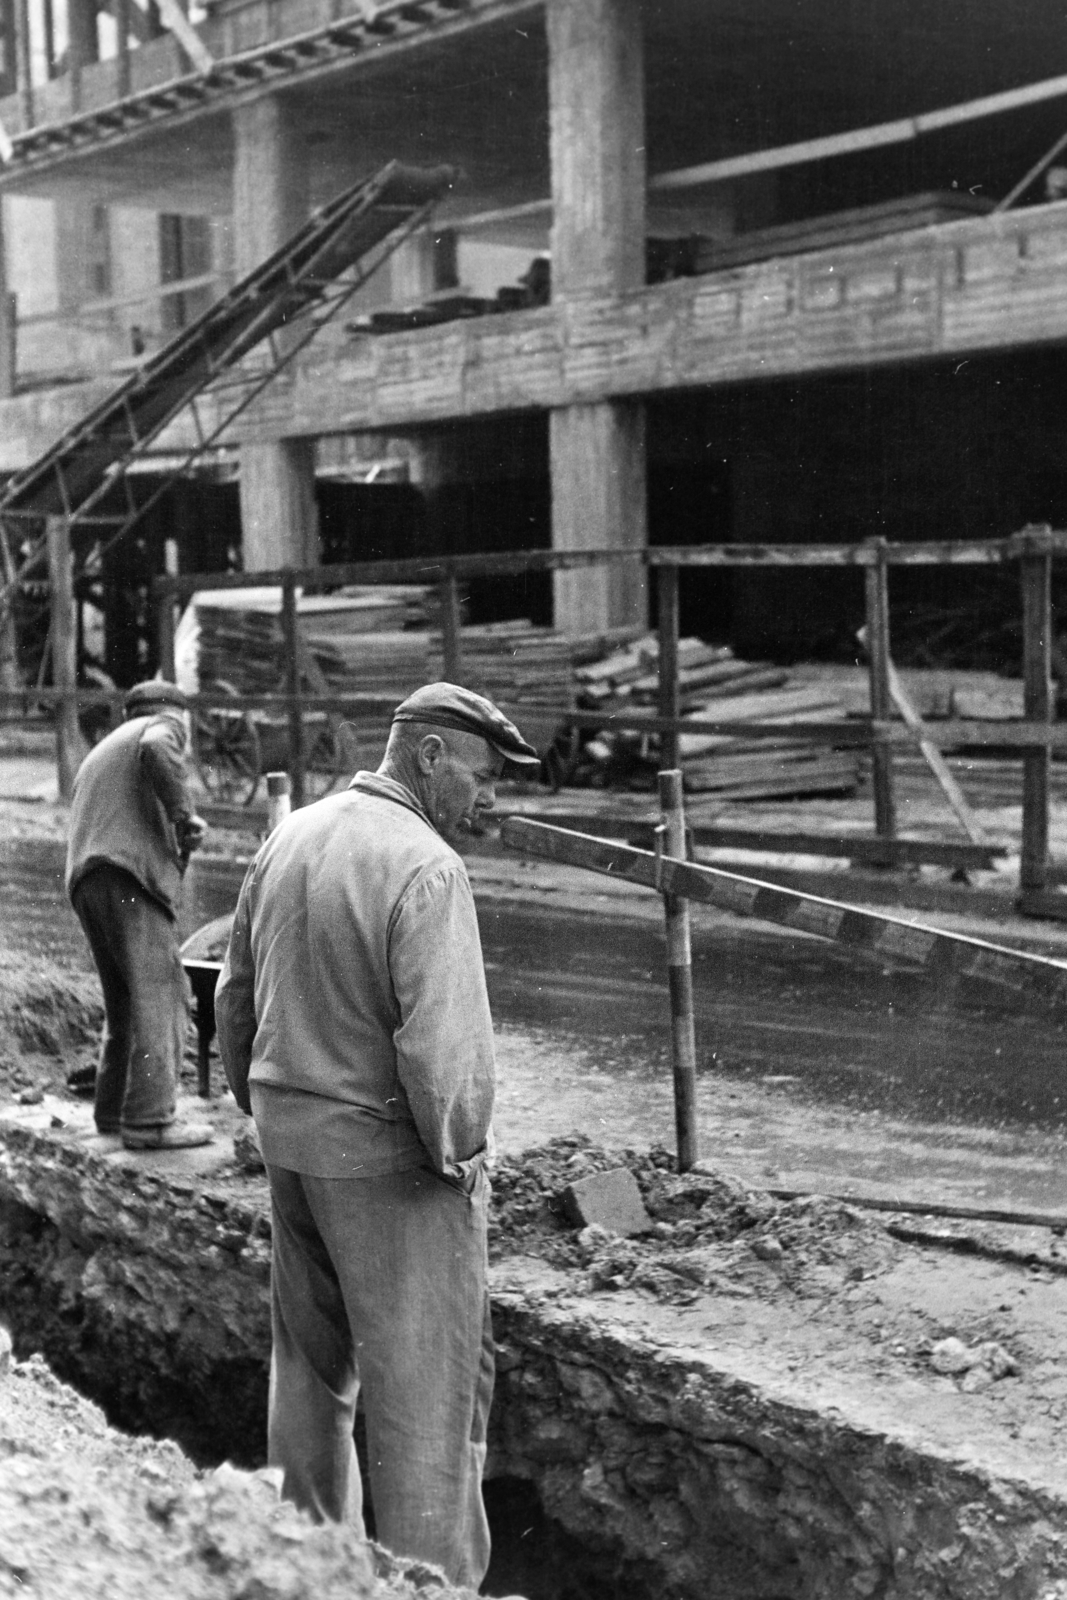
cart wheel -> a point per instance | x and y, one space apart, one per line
561 757
323 766
227 755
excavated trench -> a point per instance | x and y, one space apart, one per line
739 1405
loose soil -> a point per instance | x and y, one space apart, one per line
90 1513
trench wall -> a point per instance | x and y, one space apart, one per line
668 1475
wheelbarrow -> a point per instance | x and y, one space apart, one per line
202 955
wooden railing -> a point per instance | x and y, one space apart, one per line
1035 737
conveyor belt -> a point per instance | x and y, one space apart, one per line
355 231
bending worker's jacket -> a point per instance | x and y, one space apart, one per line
352 1012
130 805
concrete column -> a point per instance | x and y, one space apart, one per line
279 525
597 452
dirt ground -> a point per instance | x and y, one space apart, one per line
90 1514
855 1301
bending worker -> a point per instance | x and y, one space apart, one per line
132 829
354 1025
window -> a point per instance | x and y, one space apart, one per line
98 253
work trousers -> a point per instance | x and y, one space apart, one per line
379 1284
135 948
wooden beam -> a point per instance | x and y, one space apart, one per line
667 604
938 953
877 645
297 742
488 563
70 746
1038 707
174 18
864 850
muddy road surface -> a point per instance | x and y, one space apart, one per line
818 1068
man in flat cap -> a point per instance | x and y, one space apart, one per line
133 826
354 1026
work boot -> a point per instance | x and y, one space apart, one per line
178 1135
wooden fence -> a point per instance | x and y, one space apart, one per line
1035 737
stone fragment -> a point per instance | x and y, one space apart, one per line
976 1378
246 1151
30 1097
1000 1362
608 1200
768 1249
952 1356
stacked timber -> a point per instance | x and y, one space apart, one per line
372 640
518 664
714 685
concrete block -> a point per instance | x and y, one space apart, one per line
608 1200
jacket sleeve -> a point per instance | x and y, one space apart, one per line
162 756
235 1001
444 1042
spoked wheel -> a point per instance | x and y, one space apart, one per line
227 753
561 757
323 764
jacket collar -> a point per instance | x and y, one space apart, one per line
389 789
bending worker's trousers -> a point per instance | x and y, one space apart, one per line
380 1284
135 947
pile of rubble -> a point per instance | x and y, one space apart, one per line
88 1512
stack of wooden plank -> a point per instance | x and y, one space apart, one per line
714 685
515 663
374 640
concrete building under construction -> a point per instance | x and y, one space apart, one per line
708 273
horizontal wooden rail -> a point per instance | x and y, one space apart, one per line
933 950
857 732
859 849
500 563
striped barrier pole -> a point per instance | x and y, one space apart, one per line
679 975
938 953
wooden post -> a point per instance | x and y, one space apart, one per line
24 62
70 747
451 631
669 699
165 631
1036 567
122 58
885 807
297 752
279 804
680 975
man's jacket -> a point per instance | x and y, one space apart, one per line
130 802
352 1013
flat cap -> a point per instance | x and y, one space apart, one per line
155 692
447 705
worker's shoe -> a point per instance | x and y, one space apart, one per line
179 1135
82 1082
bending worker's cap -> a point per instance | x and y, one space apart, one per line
447 705
156 692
